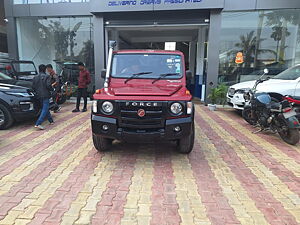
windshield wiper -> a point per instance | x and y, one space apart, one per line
136 75
161 76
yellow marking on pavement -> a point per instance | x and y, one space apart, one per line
84 207
22 134
273 184
27 167
273 150
36 200
245 209
26 146
191 209
21 125
137 209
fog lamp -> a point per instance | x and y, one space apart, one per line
105 127
177 129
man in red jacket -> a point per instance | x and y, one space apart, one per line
83 81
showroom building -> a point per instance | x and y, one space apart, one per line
3 33
224 41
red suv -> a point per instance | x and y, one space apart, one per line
144 99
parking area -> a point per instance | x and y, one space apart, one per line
232 176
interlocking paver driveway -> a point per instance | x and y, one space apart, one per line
232 176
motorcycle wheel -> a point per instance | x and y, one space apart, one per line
62 99
290 136
247 115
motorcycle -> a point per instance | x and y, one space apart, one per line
63 92
270 114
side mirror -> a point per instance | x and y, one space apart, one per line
112 44
266 71
103 73
189 75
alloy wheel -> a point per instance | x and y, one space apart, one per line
2 117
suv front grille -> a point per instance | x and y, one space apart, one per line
129 117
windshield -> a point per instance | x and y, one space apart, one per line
125 65
289 74
4 77
26 68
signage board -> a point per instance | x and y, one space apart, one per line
150 5
239 58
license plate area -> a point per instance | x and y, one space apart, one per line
289 114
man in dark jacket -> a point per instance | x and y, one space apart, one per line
83 81
42 86
55 84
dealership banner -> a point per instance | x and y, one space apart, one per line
149 5
149 2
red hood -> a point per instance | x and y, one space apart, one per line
139 90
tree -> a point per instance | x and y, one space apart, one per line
63 38
87 54
248 46
258 35
277 36
72 35
281 18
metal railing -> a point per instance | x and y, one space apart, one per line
46 1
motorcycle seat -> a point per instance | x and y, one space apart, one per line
295 97
276 105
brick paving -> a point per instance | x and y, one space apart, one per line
232 176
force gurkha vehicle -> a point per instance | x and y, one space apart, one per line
144 99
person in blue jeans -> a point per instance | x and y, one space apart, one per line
42 86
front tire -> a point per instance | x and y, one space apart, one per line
6 119
102 144
185 145
247 115
62 99
290 136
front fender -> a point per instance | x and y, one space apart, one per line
293 122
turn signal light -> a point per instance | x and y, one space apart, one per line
187 92
98 91
189 109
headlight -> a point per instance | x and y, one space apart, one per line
247 96
107 107
95 107
176 108
20 94
231 91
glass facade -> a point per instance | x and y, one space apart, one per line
59 41
3 32
252 41
46 1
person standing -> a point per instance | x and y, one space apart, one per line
83 81
42 86
55 84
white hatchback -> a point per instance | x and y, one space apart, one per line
285 83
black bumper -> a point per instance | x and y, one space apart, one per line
20 116
25 109
142 135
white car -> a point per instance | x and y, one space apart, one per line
285 83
